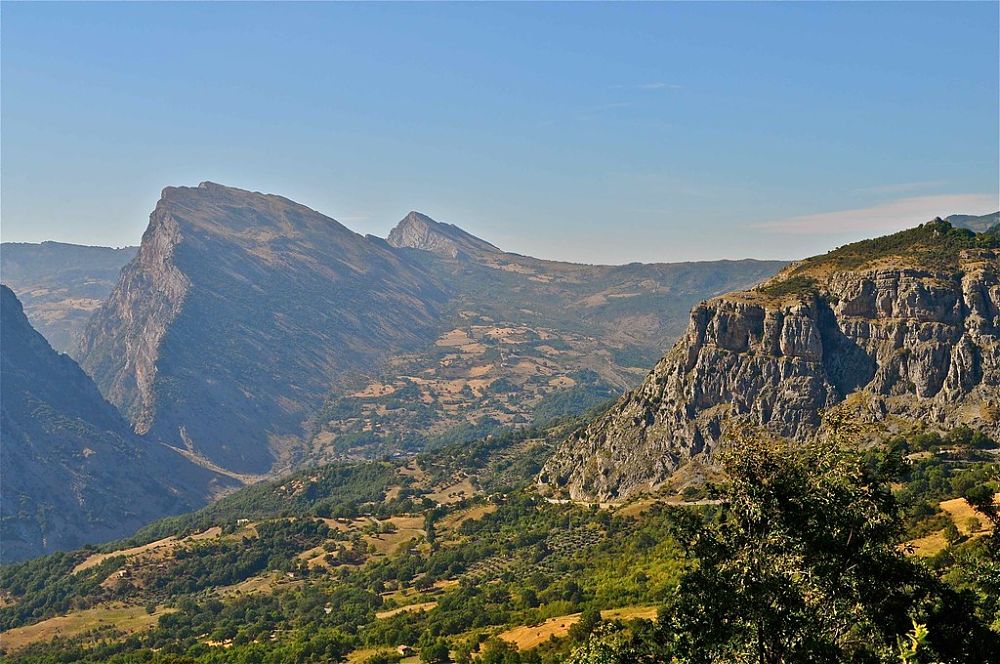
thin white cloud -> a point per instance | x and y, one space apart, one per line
611 106
903 187
884 217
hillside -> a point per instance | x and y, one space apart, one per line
891 333
73 472
521 340
449 552
61 285
254 333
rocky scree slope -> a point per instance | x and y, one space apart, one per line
73 471
238 315
897 331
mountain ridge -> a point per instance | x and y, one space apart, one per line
418 231
244 317
901 328
60 285
223 274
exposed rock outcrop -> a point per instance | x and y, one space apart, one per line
906 325
418 231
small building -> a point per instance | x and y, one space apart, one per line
405 651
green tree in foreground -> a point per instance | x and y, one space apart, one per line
802 565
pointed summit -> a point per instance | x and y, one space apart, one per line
418 231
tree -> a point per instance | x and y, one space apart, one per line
435 653
951 534
982 498
582 628
802 565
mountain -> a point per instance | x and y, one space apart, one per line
520 340
240 313
886 334
73 471
979 224
418 231
255 334
61 285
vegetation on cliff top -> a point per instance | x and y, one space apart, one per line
934 246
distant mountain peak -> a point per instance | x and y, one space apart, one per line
418 231
979 224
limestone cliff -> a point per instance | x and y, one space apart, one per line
901 330
238 316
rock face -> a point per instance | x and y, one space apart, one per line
239 314
73 471
418 231
904 328
61 285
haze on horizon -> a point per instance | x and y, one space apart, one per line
583 132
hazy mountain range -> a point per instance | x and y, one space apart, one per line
252 334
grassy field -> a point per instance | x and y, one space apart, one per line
123 619
960 512
422 606
165 545
526 637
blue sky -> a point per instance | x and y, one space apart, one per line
588 132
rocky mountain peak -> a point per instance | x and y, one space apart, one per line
239 311
418 231
900 331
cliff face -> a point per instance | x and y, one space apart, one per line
239 314
73 471
901 335
121 344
